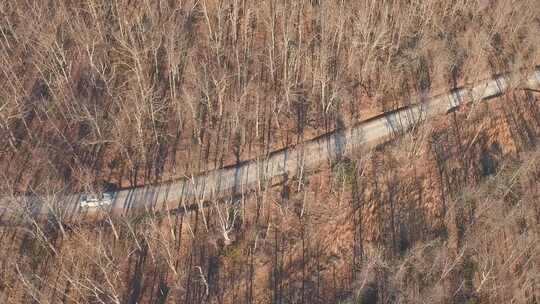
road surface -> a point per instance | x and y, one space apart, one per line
257 172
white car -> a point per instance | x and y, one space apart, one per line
91 201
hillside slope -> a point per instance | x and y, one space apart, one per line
446 214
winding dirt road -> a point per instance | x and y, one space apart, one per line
258 172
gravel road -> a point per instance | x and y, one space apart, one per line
290 161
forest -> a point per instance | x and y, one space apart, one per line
132 93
